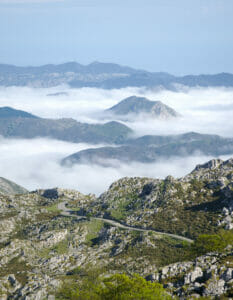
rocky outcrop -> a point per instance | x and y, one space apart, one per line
197 203
40 246
209 275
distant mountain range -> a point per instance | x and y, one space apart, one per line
102 75
19 124
150 148
145 149
140 105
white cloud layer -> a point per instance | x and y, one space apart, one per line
205 110
35 163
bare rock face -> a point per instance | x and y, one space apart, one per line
51 194
205 276
227 275
193 276
212 164
216 287
214 169
9 284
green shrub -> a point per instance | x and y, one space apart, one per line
212 242
116 287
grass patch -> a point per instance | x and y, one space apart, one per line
53 208
44 253
18 268
93 228
47 216
227 261
61 247
167 250
7 215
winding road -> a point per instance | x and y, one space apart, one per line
69 213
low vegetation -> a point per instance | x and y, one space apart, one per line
115 287
212 242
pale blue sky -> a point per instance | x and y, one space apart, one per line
176 36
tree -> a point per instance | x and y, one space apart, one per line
118 287
213 242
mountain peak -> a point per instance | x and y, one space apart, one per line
142 105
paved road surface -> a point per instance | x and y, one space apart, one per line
69 213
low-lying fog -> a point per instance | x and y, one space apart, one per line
35 163
205 110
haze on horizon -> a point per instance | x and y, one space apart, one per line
180 37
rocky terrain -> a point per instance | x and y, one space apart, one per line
57 236
102 75
200 202
209 275
133 107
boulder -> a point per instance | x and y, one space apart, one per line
191 277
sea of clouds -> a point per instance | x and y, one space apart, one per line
36 163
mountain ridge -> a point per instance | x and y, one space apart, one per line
20 124
149 149
9 112
103 75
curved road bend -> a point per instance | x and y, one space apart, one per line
69 213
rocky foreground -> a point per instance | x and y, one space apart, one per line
42 246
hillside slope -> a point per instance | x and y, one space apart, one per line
8 187
197 203
20 124
44 252
148 149
9 112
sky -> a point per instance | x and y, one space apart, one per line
179 37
